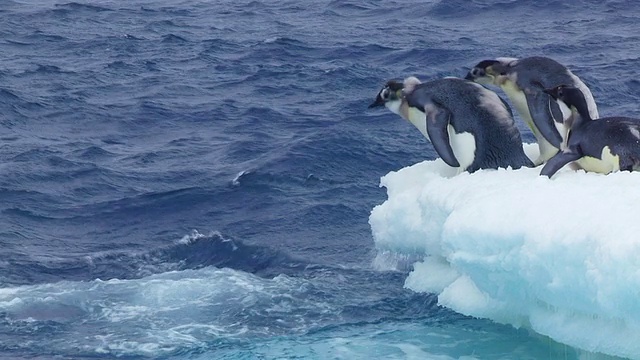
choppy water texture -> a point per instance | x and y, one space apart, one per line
193 179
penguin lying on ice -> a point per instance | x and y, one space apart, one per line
469 126
606 145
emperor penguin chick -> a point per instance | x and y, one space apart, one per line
470 126
524 81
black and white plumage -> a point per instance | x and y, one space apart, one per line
470 126
524 81
604 145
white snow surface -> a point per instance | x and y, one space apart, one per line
559 256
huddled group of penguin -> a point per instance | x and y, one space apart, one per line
473 128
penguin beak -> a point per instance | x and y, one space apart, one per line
377 103
476 73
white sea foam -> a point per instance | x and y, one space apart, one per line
163 313
559 256
236 180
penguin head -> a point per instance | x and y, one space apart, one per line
559 92
488 71
390 95
572 97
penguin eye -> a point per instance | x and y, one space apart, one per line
385 94
477 72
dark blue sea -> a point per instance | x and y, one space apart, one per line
193 179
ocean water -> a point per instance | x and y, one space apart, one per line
194 179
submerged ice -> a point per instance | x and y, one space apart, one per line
560 256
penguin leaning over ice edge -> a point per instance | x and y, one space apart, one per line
606 145
524 81
470 126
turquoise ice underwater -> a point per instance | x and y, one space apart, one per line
124 126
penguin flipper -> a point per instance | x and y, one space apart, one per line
558 161
437 129
556 113
538 103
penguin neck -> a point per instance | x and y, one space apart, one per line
578 119
395 106
411 114
579 108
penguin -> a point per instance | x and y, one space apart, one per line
523 80
470 127
607 145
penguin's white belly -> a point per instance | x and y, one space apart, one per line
463 144
606 164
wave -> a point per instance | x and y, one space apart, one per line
344 8
59 167
202 301
172 38
80 7
49 69
349 50
40 36
194 251
204 311
8 95
462 9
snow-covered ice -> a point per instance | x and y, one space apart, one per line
560 256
